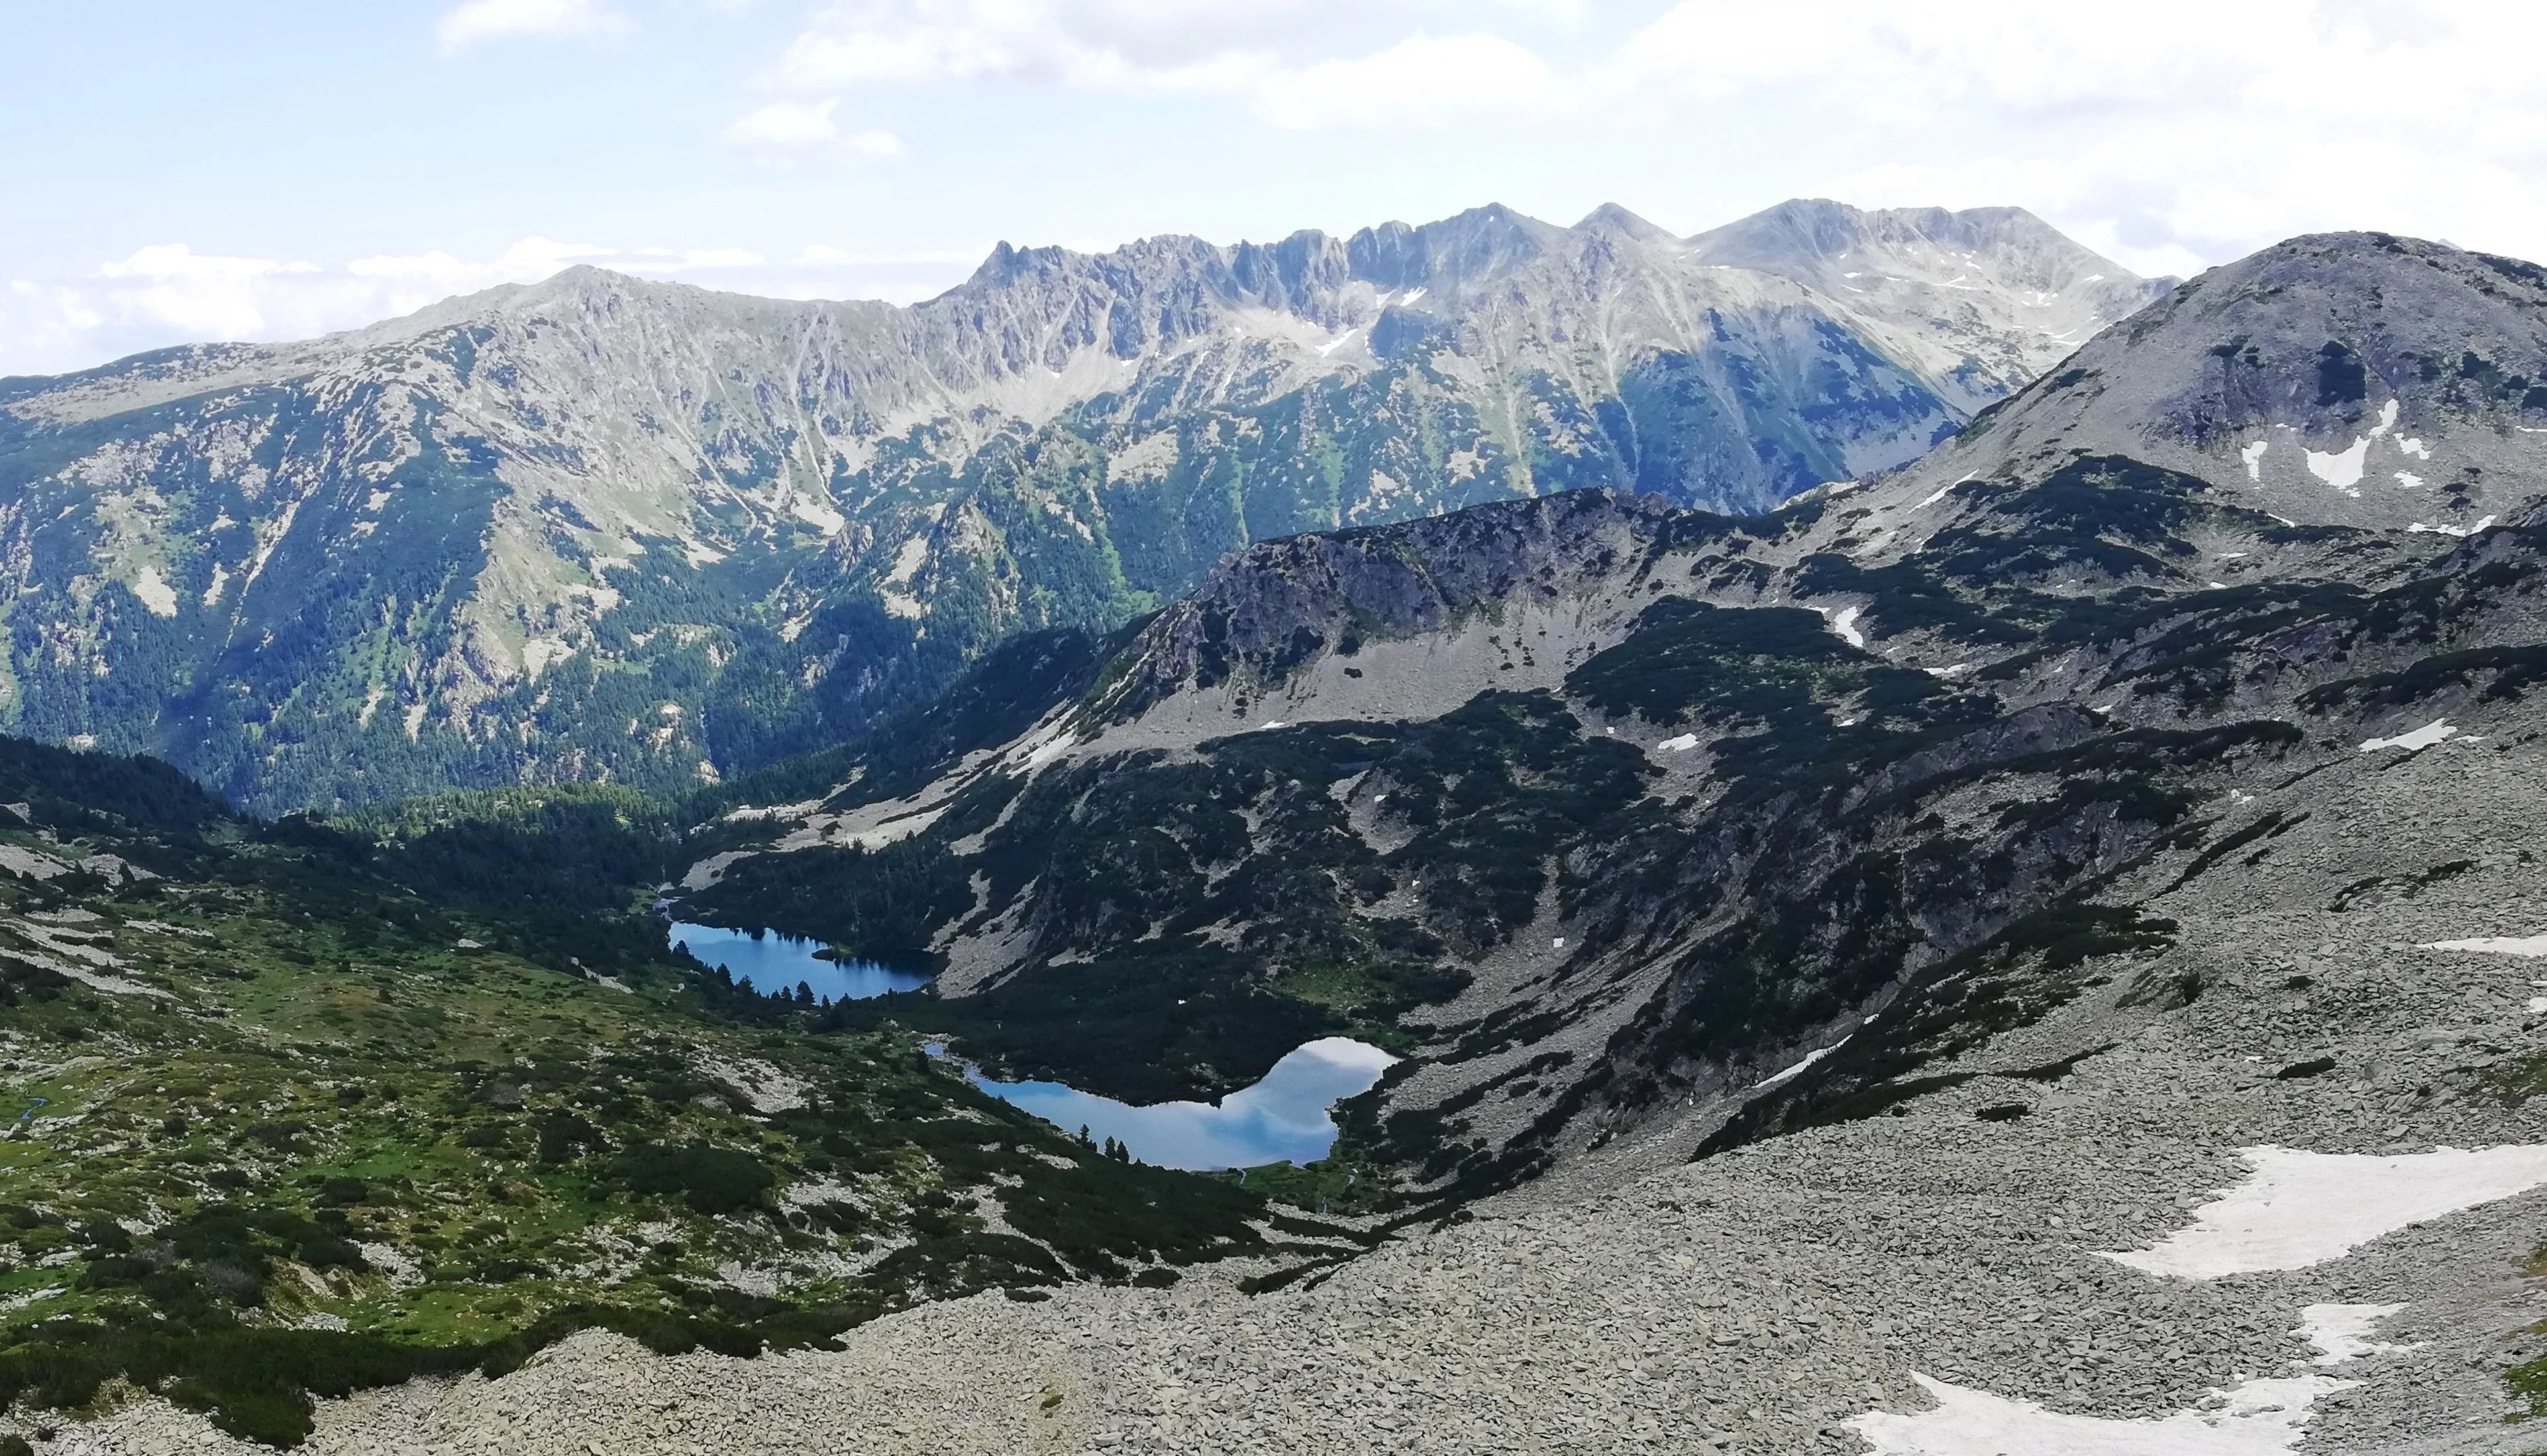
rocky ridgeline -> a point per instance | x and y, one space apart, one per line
603 528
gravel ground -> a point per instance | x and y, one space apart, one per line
1758 1301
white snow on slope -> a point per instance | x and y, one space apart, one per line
2342 468
2437 730
2501 945
1679 745
2343 1331
1776 1078
2258 1418
1844 623
2427 528
2261 1418
2254 455
2298 1209
2409 480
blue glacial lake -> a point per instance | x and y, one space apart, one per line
1282 1118
772 962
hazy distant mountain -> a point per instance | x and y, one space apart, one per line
606 528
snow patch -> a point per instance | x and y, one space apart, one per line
1338 342
2341 1332
2409 480
2437 731
2342 468
1680 745
1790 1074
2427 528
2500 945
2254 455
2261 1418
2296 1208
2416 447
1844 624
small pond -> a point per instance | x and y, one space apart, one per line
772 962
1282 1118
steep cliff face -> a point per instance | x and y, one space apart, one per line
602 528
1598 809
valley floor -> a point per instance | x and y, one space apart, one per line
1770 1298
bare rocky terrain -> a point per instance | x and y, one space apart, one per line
2041 950
1760 1300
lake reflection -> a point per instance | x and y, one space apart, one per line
771 962
1282 1118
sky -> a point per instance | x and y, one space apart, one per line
270 169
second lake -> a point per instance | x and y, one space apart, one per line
1280 1119
771 962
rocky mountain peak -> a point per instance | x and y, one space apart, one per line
2339 379
1613 220
818 500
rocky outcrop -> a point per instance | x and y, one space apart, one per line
1268 609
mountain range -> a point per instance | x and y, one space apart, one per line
1603 800
2032 946
607 529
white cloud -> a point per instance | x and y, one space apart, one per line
805 127
169 293
823 255
1420 81
1294 61
504 20
2198 131
786 124
2195 132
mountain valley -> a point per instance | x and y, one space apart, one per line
1940 878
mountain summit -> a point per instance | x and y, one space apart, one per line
600 528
